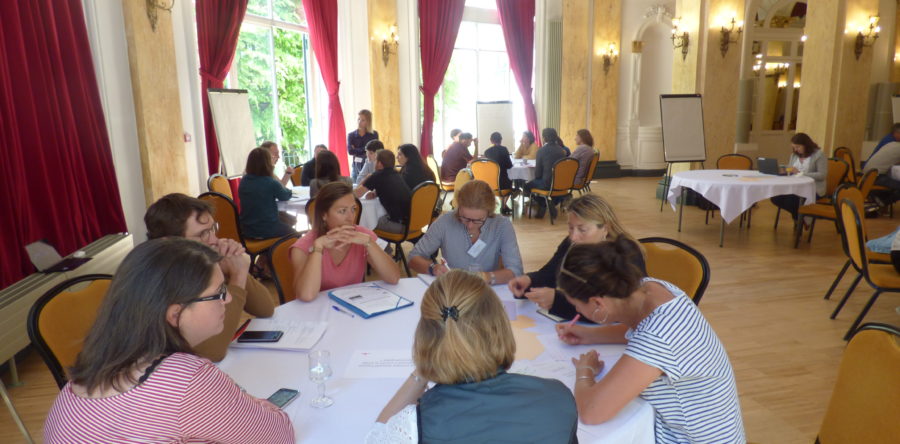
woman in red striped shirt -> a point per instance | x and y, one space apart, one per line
137 380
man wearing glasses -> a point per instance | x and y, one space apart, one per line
184 216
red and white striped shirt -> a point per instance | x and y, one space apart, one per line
186 399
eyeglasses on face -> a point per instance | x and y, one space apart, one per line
221 295
207 233
466 220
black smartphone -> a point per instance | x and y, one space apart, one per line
260 336
283 397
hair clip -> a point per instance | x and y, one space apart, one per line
453 312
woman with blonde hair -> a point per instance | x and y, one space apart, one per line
464 344
591 220
471 238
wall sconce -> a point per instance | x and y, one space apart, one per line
680 39
727 31
609 57
389 44
152 11
866 36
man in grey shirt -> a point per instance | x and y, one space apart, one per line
883 160
547 155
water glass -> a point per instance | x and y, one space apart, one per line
319 372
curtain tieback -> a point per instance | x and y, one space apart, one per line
205 75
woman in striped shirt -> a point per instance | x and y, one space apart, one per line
137 380
673 358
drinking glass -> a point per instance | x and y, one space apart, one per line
319 372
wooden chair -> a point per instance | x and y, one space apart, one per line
733 161
828 211
218 183
226 215
837 173
561 182
296 177
846 155
424 197
881 277
279 256
445 187
59 321
865 403
677 263
588 176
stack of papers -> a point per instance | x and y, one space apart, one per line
298 335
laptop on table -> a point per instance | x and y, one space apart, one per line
769 165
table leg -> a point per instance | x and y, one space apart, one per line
680 208
721 231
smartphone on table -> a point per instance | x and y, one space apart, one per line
260 336
283 397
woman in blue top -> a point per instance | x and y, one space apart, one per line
673 358
258 191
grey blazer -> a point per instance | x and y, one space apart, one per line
816 167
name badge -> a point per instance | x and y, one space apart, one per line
476 248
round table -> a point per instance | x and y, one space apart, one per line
522 169
735 191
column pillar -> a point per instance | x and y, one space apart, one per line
385 77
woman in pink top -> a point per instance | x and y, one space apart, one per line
137 379
335 252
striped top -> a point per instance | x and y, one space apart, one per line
695 398
186 399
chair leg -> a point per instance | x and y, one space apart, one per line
547 202
777 214
846 296
749 216
837 279
798 232
402 256
14 413
861 315
812 226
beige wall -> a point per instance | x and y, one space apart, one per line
151 58
605 86
385 79
575 70
684 70
719 80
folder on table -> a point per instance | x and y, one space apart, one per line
369 300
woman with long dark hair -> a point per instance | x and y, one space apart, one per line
327 170
806 159
412 167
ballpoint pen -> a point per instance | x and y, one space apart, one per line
341 310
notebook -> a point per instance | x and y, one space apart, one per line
369 300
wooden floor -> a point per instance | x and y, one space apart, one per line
764 301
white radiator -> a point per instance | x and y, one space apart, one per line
17 299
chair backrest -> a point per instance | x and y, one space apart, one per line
296 177
734 161
564 171
867 182
850 192
677 263
282 268
853 237
488 171
865 403
846 155
226 215
60 320
592 169
837 174
424 198
464 175
433 166
219 184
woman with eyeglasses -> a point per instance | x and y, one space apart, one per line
673 359
471 238
591 220
336 251
137 379
464 344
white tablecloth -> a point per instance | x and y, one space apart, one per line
734 191
522 169
372 209
357 402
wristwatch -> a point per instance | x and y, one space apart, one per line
431 268
493 278
313 249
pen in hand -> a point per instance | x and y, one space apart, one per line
573 321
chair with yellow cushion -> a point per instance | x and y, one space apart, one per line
279 256
297 175
228 219
881 277
865 404
445 187
677 263
561 182
424 196
733 161
464 175
218 183
846 155
59 321
828 211
489 171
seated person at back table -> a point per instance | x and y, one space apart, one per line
498 153
809 159
328 170
456 158
390 189
369 167
309 168
883 160
527 147
258 191
673 359
276 154
335 252
471 237
893 136
137 378
177 215
584 153
547 156
591 220
465 345
413 168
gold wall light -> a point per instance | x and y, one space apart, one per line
866 36
389 44
730 34
609 57
153 7
680 38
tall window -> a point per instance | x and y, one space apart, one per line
272 62
478 72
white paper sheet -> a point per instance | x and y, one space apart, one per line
370 364
298 335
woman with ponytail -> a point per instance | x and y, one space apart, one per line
673 358
464 345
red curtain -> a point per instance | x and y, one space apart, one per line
218 27
321 17
58 181
438 26
517 21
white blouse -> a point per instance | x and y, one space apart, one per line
400 428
